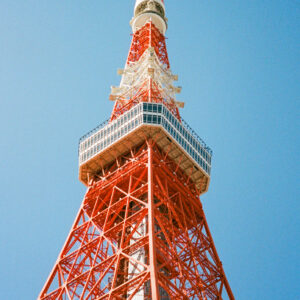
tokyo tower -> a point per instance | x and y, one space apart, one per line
141 232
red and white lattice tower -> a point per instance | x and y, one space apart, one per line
141 232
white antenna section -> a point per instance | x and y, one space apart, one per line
146 10
136 73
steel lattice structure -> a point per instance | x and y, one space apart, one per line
141 232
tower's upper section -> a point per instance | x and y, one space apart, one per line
145 107
147 76
149 10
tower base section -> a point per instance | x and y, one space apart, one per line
140 234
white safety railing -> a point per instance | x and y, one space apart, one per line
156 114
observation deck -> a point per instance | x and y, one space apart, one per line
105 143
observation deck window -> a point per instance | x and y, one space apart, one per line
146 113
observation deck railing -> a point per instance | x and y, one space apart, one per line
156 114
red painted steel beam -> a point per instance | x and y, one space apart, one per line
180 256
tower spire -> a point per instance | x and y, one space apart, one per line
147 70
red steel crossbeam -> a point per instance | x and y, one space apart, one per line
148 36
142 189
149 91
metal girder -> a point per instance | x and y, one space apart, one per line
139 231
147 62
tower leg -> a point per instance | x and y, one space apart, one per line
140 234
152 248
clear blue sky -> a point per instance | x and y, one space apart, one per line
238 64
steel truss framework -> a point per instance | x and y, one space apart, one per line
147 76
148 36
149 91
141 204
